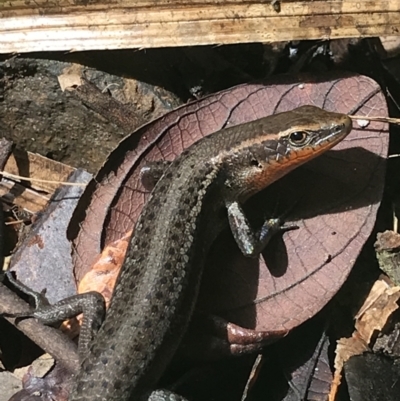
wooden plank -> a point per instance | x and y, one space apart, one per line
36 166
32 196
62 25
25 198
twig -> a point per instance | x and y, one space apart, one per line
18 177
381 119
51 340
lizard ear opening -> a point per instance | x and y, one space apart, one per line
255 163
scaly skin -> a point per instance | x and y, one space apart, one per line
158 285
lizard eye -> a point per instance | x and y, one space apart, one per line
299 138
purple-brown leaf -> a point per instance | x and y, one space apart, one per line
333 200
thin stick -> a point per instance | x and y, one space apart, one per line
49 339
18 177
381 119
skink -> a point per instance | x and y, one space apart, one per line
197 194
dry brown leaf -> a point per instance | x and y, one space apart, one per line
370 320
71 77
104 272
376 310
346 348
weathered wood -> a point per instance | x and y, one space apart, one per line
36 166
41 25
32 196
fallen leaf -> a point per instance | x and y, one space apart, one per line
345 349
102 276
387 248
376 310
333 200
372 317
